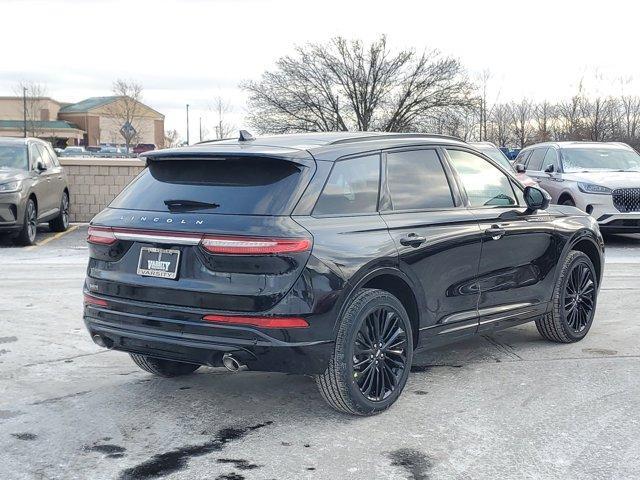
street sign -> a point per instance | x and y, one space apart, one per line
127 130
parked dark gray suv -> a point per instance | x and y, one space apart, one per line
33 188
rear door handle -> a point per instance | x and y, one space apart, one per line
412 240
496 232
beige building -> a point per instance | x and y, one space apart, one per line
91 122
42 120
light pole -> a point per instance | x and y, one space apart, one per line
24 110
187 124
200 128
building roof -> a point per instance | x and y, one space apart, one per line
87 104
39 124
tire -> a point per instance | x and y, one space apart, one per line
27 235
569 202
163 368
560 326
61 222
339 384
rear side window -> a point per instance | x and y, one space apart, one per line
535 161
249 186
485 184
352 187
416 180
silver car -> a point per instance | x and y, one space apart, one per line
602 179
33 189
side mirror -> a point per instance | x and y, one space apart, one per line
536 199
40 166
550 169
520 168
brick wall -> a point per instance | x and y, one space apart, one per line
94 182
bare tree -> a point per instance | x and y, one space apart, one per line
128 111
543 114
347 85
221 108
171 138
521 117
35 94
500 130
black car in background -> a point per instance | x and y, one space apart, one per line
33 189
338 255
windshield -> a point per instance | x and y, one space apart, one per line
14 156
585 159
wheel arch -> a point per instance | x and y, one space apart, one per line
585 242
396 283
566 195
32 195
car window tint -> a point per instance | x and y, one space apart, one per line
519 193
416 180
46 156
484 183
535 161
522 157
352 187
54 156
36 155
550 158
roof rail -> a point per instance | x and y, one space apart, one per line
395 135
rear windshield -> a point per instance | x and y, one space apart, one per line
244 186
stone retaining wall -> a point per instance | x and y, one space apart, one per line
94 182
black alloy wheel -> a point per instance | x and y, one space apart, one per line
379 354
579 297
574 301
373 352
61 222
27 234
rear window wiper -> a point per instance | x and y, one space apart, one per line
186 205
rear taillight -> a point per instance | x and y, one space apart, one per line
90 300
254 245
262 322
101 236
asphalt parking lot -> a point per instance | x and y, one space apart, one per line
506 406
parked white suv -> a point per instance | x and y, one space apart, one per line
601 178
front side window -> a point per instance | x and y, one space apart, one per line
536 159
522 157
486 186
46 157
36 156
416 180
352 187
550 158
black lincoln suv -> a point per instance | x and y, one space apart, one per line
338 255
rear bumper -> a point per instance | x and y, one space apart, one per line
177 337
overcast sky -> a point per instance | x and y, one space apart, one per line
189 51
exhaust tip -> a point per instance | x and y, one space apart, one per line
231 363
103 342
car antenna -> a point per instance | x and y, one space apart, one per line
245 136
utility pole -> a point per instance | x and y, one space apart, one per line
24 109
187 124
200 128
